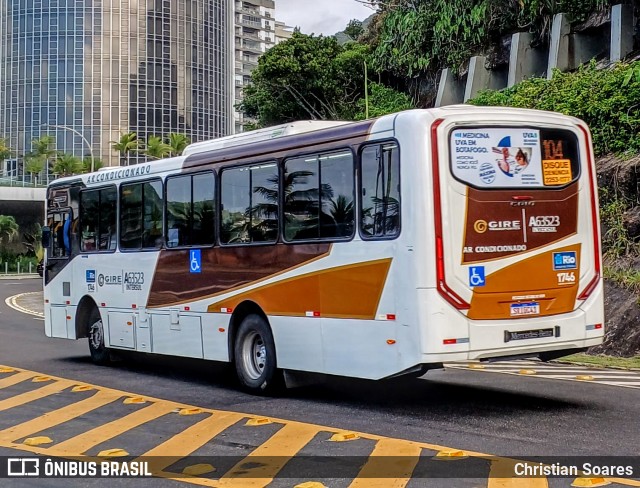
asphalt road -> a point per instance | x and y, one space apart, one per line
497 414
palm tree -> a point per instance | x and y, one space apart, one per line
8 228
5 150
302 208
127 144
34 166
178 143
67 164
86 164
157 148
45 148
342 211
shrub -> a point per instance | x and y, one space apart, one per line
606 99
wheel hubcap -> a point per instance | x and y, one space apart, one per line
96 335
254 355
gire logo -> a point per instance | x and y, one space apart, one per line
481 226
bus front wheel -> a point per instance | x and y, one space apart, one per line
255 356
99 353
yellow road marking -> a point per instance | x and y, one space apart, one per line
59 416
190 439
623 481
85 441
389 465
273 455
30 396
282 446
16 378
502 468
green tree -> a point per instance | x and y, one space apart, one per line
305 77
354 29
34 166
86 164
67 165
5 150
157 148
178 143
127 144
382 100
8 228
32 240
44 147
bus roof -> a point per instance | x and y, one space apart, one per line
261 135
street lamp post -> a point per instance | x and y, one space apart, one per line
79 135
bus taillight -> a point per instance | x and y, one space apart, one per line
447 293
594 222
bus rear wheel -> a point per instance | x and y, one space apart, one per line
99 353
255 357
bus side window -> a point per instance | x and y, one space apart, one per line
380 191
98 219
60 242
319 196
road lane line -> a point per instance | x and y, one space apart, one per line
12 302
30 396
85 441
189 440
272 454
390 464
16 378
506 467
59 416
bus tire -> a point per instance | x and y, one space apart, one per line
95 333
255 357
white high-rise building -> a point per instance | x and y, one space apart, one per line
255 33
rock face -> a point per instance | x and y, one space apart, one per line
622 322
619 179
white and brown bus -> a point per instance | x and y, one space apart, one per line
367 249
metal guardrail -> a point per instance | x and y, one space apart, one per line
26 181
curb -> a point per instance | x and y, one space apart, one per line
21 276
13 303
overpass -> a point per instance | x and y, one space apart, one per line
25 203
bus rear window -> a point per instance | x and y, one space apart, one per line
505 157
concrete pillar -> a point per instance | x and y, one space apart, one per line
450 89
559 45
480 78
621 31
524 60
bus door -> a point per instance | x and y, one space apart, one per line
518 224
57 256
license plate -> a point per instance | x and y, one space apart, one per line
531 334
522 309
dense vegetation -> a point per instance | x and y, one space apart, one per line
309 77
405 45
420 37
607 99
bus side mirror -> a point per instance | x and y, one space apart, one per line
46 237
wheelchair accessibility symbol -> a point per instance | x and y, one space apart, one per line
195 260
476 276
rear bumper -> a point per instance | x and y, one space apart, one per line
485 339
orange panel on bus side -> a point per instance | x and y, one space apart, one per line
351 291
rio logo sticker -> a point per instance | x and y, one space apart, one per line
565 260
91 276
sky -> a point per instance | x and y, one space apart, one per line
320 16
